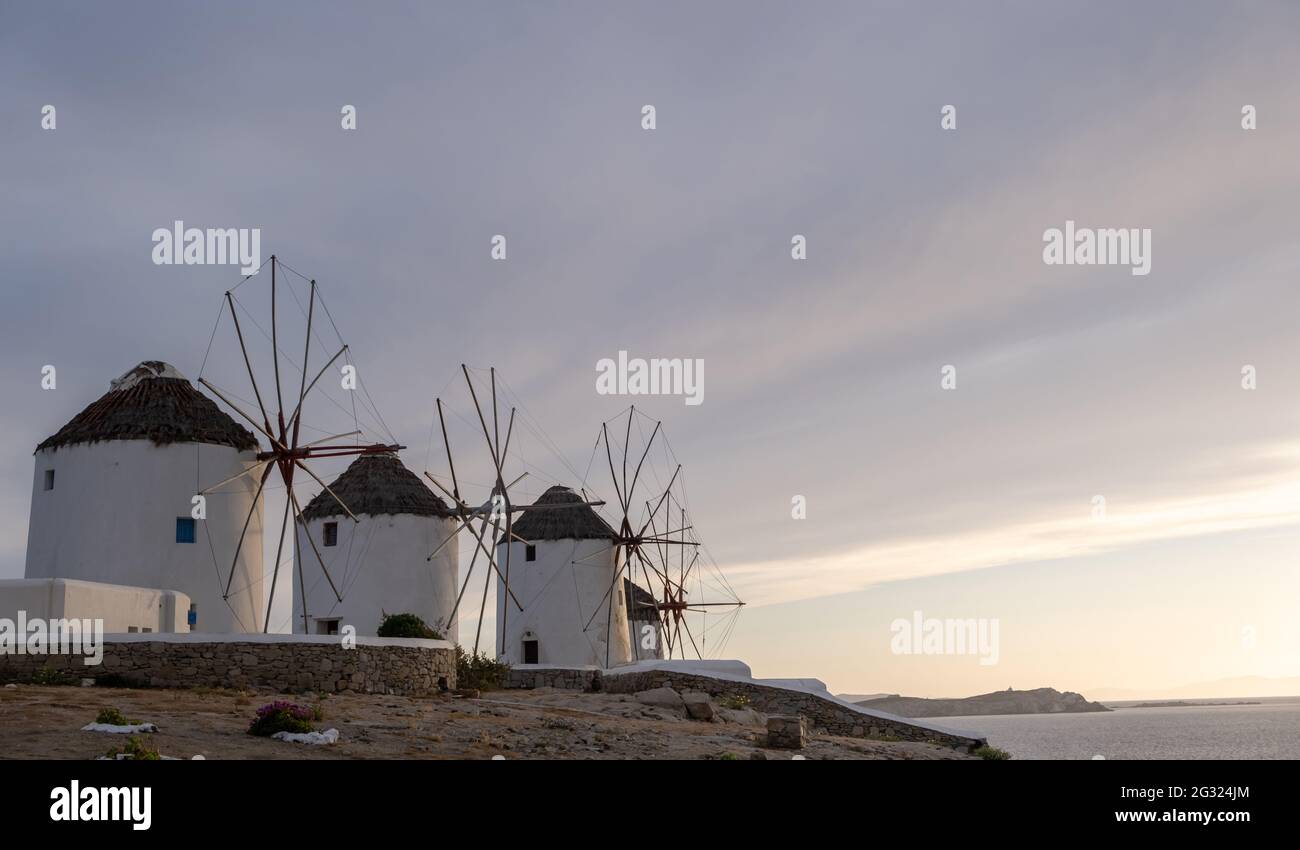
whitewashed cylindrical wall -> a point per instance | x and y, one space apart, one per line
379 566
111 517
560 591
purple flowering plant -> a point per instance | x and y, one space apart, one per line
283 716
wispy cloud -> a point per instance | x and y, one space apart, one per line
1253 503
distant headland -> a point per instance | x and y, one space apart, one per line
1036 701
1180 703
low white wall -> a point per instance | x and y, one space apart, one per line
119 606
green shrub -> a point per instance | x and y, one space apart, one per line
406 626
480 671
736 702
992 753
112 717
135 751
284 717
49 676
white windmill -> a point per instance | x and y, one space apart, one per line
113 497
382 560
291 437
572 588
658 554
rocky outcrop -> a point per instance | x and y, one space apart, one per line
1037 701
732 697
662 698
44 723
822 714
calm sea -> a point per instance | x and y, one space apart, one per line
1270 730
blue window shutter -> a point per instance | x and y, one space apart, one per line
184 530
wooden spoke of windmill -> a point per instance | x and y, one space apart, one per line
675 589
286 454
498 510
644 548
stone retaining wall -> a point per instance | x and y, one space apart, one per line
823 715
569 679
288 663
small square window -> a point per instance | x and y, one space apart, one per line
331 534
131 630
327 626
49 479
184 529
530 552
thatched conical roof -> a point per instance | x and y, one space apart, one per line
377 484
576 523
155 402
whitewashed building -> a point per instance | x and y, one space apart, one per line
564 579
112 500
379 564
124 610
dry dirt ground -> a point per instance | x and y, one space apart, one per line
39 722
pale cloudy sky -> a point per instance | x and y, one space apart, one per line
822 376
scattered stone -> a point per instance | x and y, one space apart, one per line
786 732
825 714
741 716
563 723
662 698
558 723
698 705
